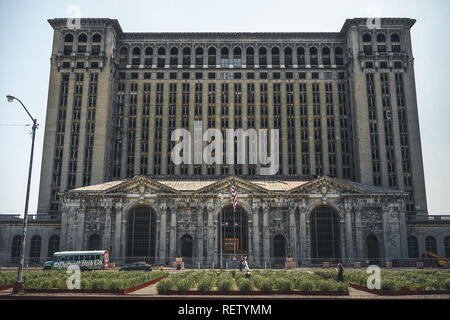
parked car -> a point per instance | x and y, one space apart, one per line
137 266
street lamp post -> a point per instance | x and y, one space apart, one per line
19 285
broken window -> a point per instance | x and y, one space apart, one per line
262 57
68 44
326 57
250 56
288 57
367 44
199 57
212 57
173 57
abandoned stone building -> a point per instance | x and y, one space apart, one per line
350 183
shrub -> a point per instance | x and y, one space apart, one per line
266 285
184 285
282 284
165 285
233 273
245 285
304 285
205 285
387 285
224 284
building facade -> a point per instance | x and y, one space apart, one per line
344 104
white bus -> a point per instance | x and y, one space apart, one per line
86 260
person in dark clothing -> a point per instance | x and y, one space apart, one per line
340 271
241 263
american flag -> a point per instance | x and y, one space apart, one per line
234 194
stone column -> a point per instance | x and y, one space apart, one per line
359 239
173 233
211 239
385 220
348 231
162 236
256 251
200 234
107 234
303 245
123 225
266 234
403 234
117 235
292 234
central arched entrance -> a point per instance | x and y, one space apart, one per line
325 235
233 236
141 235
279 251
373 249
187 246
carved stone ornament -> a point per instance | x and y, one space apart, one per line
141 188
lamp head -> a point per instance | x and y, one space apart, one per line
10 98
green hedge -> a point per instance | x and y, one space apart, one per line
99 279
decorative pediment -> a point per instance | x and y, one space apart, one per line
140 185
224 186
325 185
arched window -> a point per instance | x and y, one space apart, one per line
339 56
161 62
148 56
367 44
262 52
233 231
96 44
381 43
313 57
447 246
237 57
250 57
275 57
141 235
94 242
173 57
212 57
68 44
82 43
199 57
123 60
136 59
288 57
279 249
395 42
224 57
325 235
430 244
301 59
373 249
326 57
53 245
35 249
186 57
413 247
15 248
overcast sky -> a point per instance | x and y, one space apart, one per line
26 40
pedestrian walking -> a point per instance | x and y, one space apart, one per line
340 271
245 263
241 263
